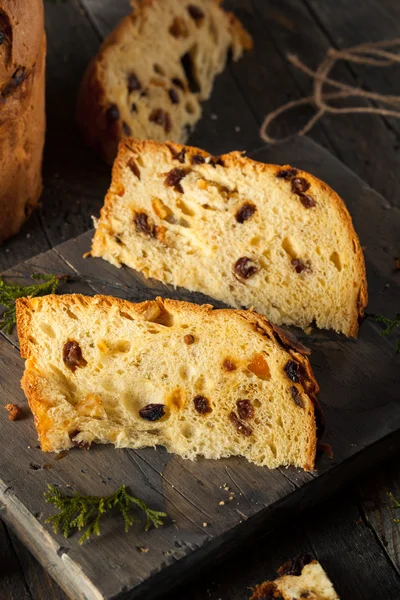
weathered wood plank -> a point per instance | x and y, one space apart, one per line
12 581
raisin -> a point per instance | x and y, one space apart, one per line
16 80
228 365
296 396
133 83
299 265
197 159
133 107
202 405
245 409
178 28
188 339
112 113
195 12
307 201
174 177
133 167
179 155
152 412
299 185
295 565
178 83
167 123
173 96
287 173
292 370
126 129
216 160
72 355
142 224
245 212
241 427
244 268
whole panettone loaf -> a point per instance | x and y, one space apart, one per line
196 380
22 116
252 235
154 69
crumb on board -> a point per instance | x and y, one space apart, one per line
222 503
15 412
142 549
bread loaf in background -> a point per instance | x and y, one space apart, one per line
201 382
22 110
153 71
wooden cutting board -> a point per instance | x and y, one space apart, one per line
213 506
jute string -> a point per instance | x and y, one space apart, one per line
377 54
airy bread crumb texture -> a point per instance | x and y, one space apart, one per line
154 70
199 381
246 233
312 583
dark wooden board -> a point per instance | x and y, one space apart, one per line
359 382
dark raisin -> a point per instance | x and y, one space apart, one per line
295 565
174 177
133 167
112 113
241 427
299 265
133 83
167 123
216 160
16 80
307 201
188 339
195 12
173 96
72 355
180 156
126 129
292 370
178 83
202 405
152 412
142 224
157 116
178 28
245 212
228 365
296 396
15 412
244 268
197 159
245 409
299 185
287 173
133 107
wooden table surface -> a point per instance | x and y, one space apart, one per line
353 534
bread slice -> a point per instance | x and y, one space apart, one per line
299 579
154 69
196 380
249 234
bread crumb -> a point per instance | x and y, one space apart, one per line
222 503
237 128
142 549
214 117
15 412
205 524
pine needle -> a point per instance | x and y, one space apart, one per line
390 325
9 292
85 512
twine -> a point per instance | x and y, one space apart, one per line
371 53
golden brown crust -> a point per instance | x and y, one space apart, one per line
151 310
93 102
22 118
238 159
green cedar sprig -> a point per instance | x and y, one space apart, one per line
390 325
9 292
84 512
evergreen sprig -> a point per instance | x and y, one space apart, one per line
9 292
390 325
84 512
